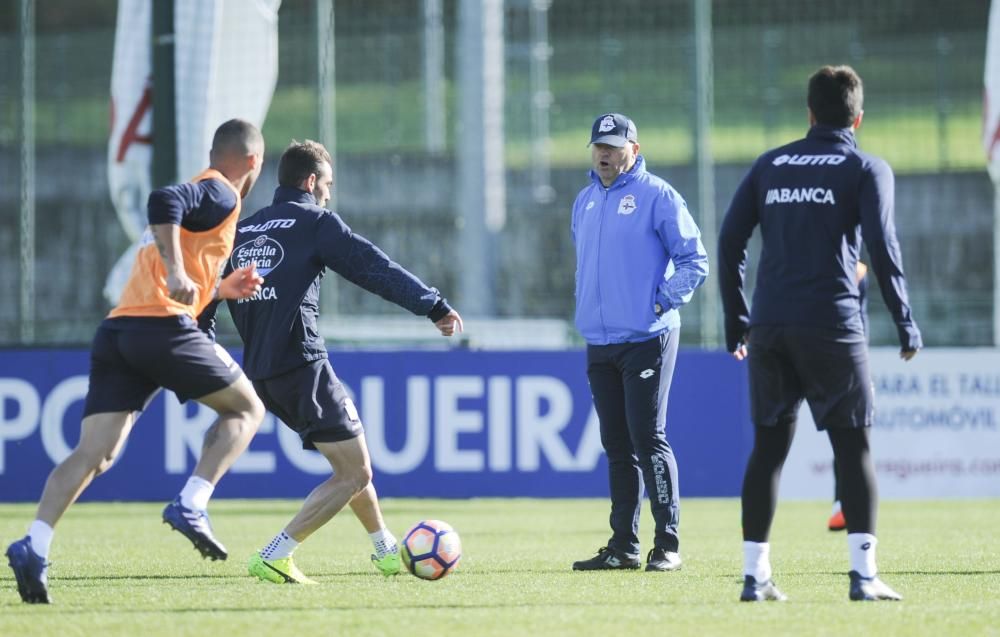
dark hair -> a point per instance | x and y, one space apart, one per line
835 96
300 160
237 137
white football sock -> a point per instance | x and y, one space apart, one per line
280 547
196 493
41 538
384 542
757 560
862 549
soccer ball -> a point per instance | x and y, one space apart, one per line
431 549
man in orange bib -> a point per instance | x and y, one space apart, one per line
152 340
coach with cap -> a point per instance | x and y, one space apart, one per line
639 258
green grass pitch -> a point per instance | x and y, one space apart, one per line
119 571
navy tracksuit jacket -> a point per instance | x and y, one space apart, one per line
814 200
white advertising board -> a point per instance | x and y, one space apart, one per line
936 432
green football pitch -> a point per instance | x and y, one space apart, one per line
118 571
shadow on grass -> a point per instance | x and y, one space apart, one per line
996 572
505 533
98 581
792 573
55 608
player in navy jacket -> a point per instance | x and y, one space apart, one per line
293 242
814 200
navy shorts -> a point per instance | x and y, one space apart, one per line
826 367
312 401
132 357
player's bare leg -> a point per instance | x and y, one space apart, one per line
240 412
366 507
352 475
101 439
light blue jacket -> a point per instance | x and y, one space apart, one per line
639 257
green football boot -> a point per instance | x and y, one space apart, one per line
388 564
281 571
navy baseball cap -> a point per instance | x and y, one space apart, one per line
613 129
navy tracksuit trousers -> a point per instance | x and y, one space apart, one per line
630 383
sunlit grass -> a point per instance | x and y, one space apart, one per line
118 571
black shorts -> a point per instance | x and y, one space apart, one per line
826 367
312 401
132 357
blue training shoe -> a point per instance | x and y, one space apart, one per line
870 589
195 526
754 591
31 571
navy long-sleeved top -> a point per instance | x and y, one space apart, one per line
293 242
814 200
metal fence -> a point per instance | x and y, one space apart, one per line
397 98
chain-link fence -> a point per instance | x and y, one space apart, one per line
393 70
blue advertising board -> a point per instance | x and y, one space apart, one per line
450 424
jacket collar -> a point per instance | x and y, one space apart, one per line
638 168
284 194
833 134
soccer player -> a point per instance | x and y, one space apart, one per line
814 200
151 340
639 258
293 242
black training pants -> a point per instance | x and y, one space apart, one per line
630 383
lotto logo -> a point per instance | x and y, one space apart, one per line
267 225
809 160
